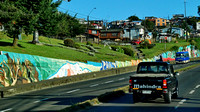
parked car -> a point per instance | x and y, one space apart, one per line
136 42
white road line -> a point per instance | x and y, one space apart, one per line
177 106
36 101
109 82
6 110
44 99
191 92
197 86
94 85
121 79
72 91
182 101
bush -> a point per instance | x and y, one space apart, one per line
146 45
114 48
69 43
128 51
89 43
174 48
77 46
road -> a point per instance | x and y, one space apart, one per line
188 100
57 98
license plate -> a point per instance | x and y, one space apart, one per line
146 92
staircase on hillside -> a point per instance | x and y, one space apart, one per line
139 53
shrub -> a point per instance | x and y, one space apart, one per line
174 48
69 43
77 46
128 51
114 48
89 43
146 45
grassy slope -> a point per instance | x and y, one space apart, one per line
160 48
68 54
55 52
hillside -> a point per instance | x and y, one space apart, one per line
25 47
104 53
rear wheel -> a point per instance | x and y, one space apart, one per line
168 97
175 95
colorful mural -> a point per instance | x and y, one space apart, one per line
16 68
108 65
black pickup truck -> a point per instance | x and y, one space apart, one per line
154 80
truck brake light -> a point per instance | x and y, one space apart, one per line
164 83
130 82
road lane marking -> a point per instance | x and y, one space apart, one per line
121 79
177 106
36 101
72 91
191 92
6 110
180 103
197 86
94 85
44 99
109 82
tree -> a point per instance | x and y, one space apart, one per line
192 21
45 15
133 18
68 26
149 25
13 19
199 10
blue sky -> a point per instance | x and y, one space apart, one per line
111 10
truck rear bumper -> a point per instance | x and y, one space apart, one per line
150 92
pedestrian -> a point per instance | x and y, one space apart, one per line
161 58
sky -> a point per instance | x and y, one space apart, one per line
111 10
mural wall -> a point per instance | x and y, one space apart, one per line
170 55
16 68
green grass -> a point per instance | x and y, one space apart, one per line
160 48
26 47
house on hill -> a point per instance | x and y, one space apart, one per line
111 34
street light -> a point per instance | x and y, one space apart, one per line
88 22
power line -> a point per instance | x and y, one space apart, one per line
79 13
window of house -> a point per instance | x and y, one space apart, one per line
158 20
163 20
103 35
114 34
163 24
94 32
158 24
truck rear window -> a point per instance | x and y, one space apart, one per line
152 69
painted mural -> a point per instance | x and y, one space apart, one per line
108 65
16 68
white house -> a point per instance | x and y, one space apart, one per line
198 25
135 32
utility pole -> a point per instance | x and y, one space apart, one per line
185 20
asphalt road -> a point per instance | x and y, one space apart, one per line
188 100
57 98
